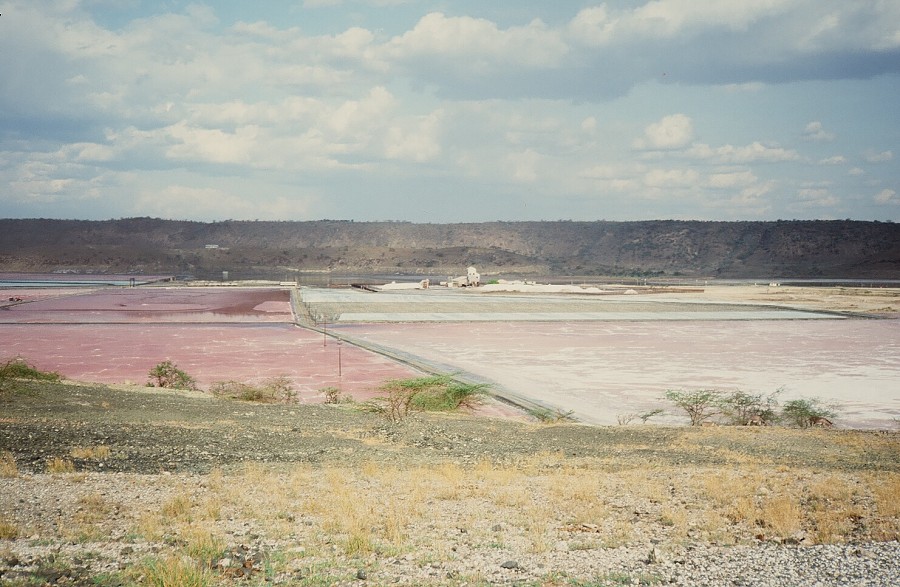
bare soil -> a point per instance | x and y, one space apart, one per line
151 430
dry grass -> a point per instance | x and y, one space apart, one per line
174 571
202 545
782 514
8 530
375 509
96 453
8 467
178 508
57 466
887 496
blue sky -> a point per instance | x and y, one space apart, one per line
450 111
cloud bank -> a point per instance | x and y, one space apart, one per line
406 110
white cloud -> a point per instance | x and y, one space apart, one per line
523 166
418 140
589 124
339 101
887 196
754 152
668 18
321 3
216 203
819 197
814 131
212 145
880 157
856 171
670 132
669 178
479 46
731 179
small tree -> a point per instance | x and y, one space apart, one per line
166 374
807 412
699 404
332 394
433 393
744 408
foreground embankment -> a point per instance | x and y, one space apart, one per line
142 486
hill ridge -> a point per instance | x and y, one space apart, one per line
653 248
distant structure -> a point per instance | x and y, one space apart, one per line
404 285
471 279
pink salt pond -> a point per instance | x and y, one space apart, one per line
247 335
601 370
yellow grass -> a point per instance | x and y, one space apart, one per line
177 508
886 492
8 467
202 545
375 509
97 453
782 514
57 465
8 530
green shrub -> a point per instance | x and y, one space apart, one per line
744 409
433 393
807 412
19 368
166 374
551 416
699 404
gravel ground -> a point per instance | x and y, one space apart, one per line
489 501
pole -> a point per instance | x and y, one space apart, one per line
340 374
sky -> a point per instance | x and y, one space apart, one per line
450 111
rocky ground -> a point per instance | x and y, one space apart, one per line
123 486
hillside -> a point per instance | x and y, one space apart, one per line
666 248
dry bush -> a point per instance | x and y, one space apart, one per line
8 467
274 389
57 465
332 395
177 508
97 453
538 522
8 530
782 514
92 509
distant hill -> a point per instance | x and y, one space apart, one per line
278 250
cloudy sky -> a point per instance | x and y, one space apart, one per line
450 110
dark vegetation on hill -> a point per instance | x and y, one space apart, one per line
278 250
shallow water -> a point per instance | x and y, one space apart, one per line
603 370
